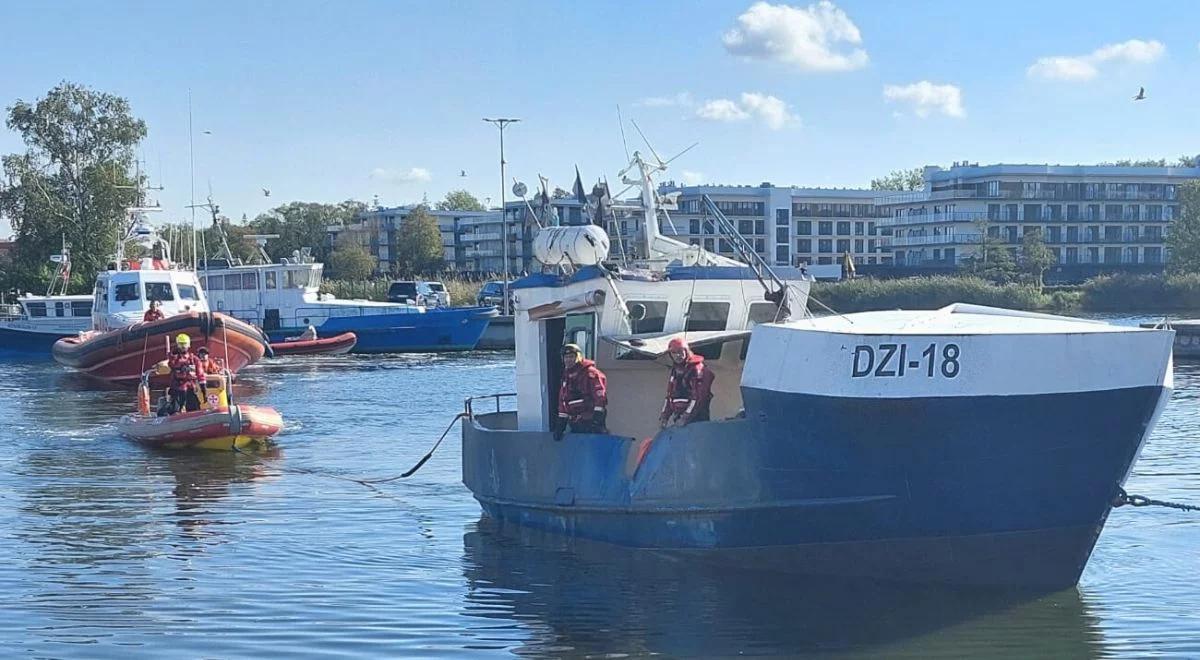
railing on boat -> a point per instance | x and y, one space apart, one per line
469 403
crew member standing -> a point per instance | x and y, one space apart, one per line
187 375
154 313
582 396
689 387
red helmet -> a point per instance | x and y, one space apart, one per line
677 344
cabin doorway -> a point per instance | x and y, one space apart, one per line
271 320
555 330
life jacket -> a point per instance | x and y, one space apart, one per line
187 371
689 386
584 388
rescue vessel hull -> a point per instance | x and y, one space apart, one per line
235 427
122 355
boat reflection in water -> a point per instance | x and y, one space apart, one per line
575 597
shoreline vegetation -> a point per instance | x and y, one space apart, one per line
1107 293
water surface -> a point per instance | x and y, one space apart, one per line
111 550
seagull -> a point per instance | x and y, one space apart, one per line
266 193
1141 94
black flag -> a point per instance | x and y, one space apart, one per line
603 204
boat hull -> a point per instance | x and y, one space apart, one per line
17 340
991 490
432 331
122 355
236 427
338 345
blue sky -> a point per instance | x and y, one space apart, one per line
324 101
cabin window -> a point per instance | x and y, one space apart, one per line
707 316
60 309
158 291
214 283
81 308
580 329
653 313
125 292
233 282
269 276
249 281
36 309
296 279
761 312
188 292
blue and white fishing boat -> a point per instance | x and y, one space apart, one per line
966 445
284 299
31 324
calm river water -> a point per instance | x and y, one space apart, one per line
110 550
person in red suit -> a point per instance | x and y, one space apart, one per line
187 376
154 313
582 395
689 387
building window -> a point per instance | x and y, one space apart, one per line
781 254
694 226
825 228
843 229
781 234
825 245
804 245
843 246
782 217
858 246
745 227
760 227
804 228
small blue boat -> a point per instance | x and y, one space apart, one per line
967 445
284 299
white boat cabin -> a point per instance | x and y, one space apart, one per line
284 296
121 297
62 315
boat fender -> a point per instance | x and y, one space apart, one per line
143 400
235 420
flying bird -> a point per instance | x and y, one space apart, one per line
266 192
1141 95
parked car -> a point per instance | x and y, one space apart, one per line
435 294
405 292
492 293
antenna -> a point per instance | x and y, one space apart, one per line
694 144
648 145
621 125
192 176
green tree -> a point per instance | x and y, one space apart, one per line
913 179
304 225
74 181
351 261
1036 258
418 244
460 200
993 260
1183 237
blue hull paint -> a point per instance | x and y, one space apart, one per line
1006 491
20 341
436 330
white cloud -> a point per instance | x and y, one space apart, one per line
402 177
771 111
683 99
1087 67
926 98
721 110
692 178
819 38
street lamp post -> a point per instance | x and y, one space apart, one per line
501 123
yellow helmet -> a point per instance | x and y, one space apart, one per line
182 340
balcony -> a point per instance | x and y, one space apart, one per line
932 218
479 236
937 239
